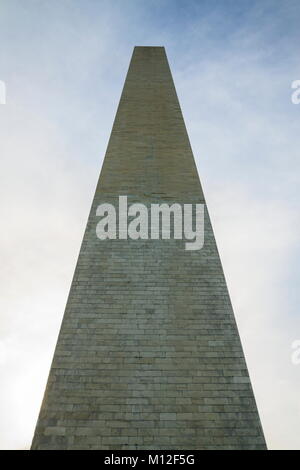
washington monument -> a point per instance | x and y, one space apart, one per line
148 355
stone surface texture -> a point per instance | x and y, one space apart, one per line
148 355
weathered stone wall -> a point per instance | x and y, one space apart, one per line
148 355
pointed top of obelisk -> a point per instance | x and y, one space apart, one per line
150 121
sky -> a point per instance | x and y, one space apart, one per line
63 64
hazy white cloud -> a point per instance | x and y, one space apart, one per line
64 64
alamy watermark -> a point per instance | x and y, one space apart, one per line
2 92
295 356
188 222
295 96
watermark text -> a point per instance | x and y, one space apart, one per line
188 222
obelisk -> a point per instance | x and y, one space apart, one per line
148 355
